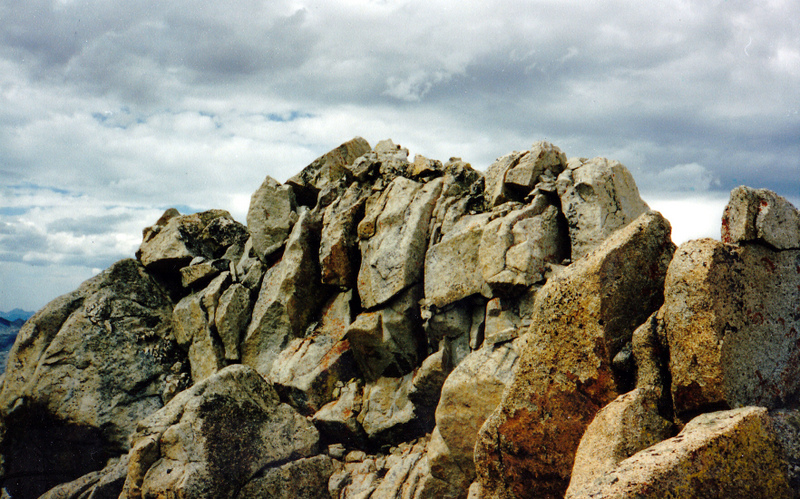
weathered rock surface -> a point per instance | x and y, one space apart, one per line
327 171
216 438
339 254
270 218
394 235
627 425
598 196
452 268
289 298
84 370
104 484
513 176
730 317
581 320
389 341
515 249
719 454
759 215
176 239
469 396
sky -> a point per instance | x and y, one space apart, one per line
113 111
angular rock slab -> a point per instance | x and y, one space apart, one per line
394 240
581 319
598 196
731 321
83 371
759 215
304 478
270 217
339 255
387 415
732 454
389 341
513 176
328 170
212 439
289 298
176 239
627 425
515 248
452 266
469 396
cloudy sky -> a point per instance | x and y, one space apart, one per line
113 111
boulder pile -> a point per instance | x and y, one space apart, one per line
388 328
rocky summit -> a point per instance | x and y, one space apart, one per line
389 328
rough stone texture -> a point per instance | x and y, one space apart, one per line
339 254
401 480
389 341
581 319
513 176
290 297
327 171
193 322
426 387
82 372
303 478
621 429
306 372
515 248
212 439
759 215
338 420
469 395
231 318
731 454
786 427
598 196
270 218
197 274
730 317
394 240
175 240
452 270
387 415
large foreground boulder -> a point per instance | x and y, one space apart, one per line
84 370
225 434
731 454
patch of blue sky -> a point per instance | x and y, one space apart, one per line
287 117
27 186
14 211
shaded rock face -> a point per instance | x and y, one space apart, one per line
419 329
213 439
83 372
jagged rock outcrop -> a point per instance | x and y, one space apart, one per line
581 320
389 328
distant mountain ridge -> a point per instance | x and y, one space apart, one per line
8 334
16 314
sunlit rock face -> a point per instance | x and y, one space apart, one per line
389 327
